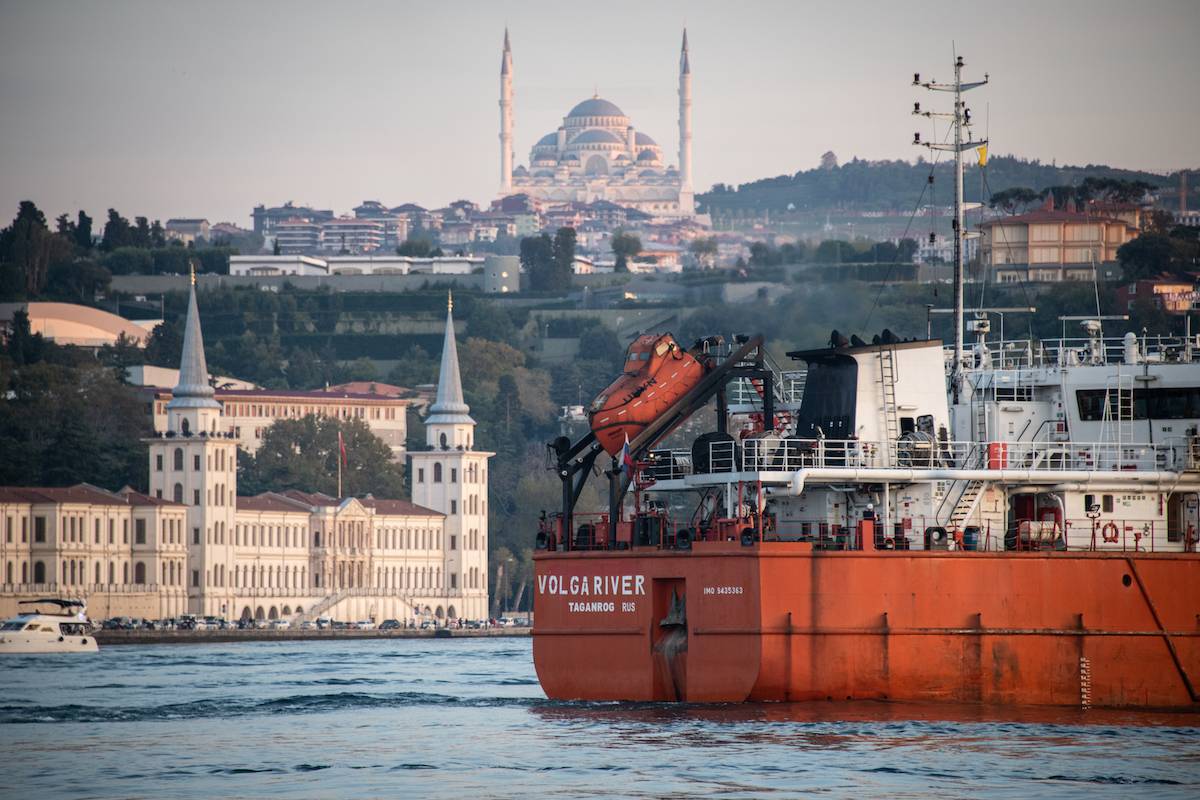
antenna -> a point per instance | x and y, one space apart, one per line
960 119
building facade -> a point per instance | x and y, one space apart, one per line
1049 245
191 545
598 154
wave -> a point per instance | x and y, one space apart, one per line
243 706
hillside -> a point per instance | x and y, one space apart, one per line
895 186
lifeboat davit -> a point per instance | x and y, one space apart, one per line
657 373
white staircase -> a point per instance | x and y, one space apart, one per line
887 389
968 501
316 610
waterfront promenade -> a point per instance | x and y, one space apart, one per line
106 638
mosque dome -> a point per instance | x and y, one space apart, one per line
596 107
641 138
548 139
647 155
597 136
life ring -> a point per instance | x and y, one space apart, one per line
1110 533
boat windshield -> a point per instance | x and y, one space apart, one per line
13 625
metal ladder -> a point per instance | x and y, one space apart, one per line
1118 409
887 387
968 501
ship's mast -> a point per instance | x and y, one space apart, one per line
960 119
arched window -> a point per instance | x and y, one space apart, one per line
24 572
39 572
8 572
139 573
444 441
178 492
125 572
72 571
178 458
186 427
97 572
111 572
437 473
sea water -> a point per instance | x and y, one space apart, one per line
465 718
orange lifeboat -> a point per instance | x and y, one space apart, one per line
657 373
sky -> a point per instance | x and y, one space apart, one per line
187 109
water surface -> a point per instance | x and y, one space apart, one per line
466 718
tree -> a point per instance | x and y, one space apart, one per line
625 246
1013 200
117 232
83 231
705 251
490 321
165 345
1146 256
537 257
23 346
303 454
416 247
27 249
81 279
275 250
833 251
564 260
906 250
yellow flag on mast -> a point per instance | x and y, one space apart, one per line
983 155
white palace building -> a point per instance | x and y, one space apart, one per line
191 545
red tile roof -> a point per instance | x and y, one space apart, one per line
1042 215
271 501
79 493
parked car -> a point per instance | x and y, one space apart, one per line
338 625
390 625
427 624
308 625
365 625
280 624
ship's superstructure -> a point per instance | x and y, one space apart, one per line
1014 522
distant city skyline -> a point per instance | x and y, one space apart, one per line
183 110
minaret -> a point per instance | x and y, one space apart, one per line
686 202
506 118
451 477
196 464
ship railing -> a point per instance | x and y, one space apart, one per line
1103 534
1077 351
787 454
789 389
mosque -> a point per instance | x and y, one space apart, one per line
598 154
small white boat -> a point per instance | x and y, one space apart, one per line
67 630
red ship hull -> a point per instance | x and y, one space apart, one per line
784 622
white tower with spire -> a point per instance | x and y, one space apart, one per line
452 477
195 463
506 118
687 201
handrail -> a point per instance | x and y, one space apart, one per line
788 454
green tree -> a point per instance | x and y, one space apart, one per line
27 249
303 454
564 260
705 251
537 257
22 345
491 321
1147 256
81 279
1014 200
625 246
416 247
165 345
83 231
906 250
117 232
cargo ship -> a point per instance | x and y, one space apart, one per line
1011 524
